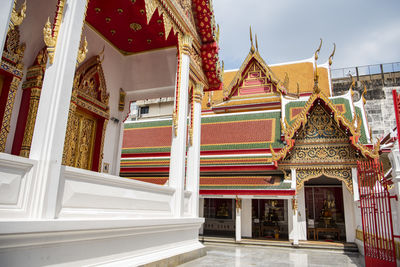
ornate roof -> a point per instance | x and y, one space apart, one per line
253 58
351 128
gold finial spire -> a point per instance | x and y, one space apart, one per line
333 53
318 50
252 49
364 93
17 17
101 54
256 43
316 88
82 52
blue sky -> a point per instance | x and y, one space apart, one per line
365 31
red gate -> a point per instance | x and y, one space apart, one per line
376 214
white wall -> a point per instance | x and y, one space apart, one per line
159 110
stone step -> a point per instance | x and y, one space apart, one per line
337 246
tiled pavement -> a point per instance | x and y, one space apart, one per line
246 255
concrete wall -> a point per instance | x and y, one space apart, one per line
379 105
380 113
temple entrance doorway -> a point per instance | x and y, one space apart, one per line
324 205
85 130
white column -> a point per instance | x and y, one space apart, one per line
301 215
193 160
246 218
201 214
179 134
5 14
117 157
349 216
291 222
293 206
297 218
49 133
238 222
293 175
354 176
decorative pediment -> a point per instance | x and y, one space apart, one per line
254 80
90 82
321 122
253 77
321 142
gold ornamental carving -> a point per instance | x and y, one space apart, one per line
342 174
13 52
151 6
89 97
33 82
198 93
17 17
50 34
195 58
185 44
135 26
352 128
122 95
30 122
5 126
82 52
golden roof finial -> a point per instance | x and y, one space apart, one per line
318 50
316 88
17 17
364 93
256 43
333 53
101 54
274 154
252 49
286 82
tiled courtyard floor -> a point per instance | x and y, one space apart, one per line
243 255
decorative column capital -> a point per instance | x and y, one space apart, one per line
198 92
185 43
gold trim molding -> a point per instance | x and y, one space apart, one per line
50 34
341 174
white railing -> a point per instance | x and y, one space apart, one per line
87 194
16 175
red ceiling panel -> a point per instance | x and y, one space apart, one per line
123 23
